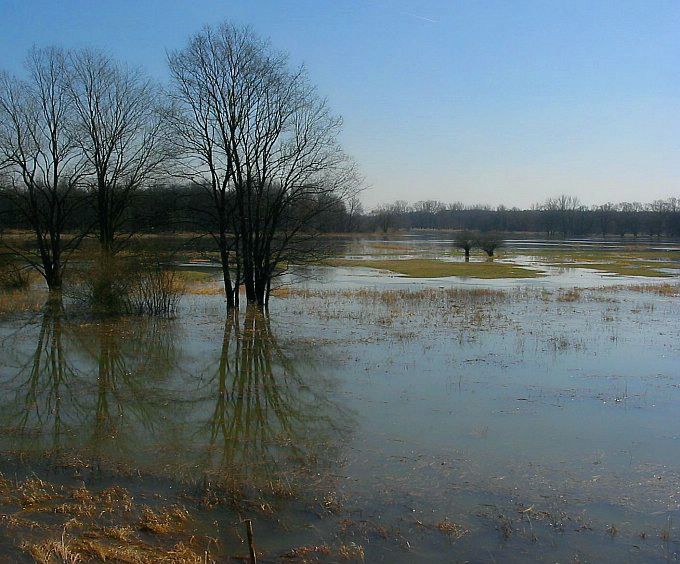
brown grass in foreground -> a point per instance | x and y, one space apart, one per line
61 524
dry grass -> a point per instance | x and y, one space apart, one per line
398 296
390 247
103 550
431 268
51 551
205 289
351 551
660 289
169 520
308 553
453 530
61 524
21 301
572 295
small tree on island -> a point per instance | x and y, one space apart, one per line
465 240
489 243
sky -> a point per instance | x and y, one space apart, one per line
491 102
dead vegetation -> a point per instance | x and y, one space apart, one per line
572 295
398 296
310 553
451 529
670 290
63 524
21 301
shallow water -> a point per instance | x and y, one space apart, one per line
542 423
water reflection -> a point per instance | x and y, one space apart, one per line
265 410
69 384
130 361
45 386
152 396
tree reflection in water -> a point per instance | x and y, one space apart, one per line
271 416
45 389
128 391
79 384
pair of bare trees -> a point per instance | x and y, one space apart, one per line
237 121
79 128
255 134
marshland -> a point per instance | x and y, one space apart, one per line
370 413
355 284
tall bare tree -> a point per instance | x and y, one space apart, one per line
119 129
212 78
41 161
262 142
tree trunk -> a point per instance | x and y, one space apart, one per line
261 291
224 259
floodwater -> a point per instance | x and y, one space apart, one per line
422 420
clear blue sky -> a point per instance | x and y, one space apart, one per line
475 101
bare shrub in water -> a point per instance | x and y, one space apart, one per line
14 277
157 291
489 243
107 285
117 285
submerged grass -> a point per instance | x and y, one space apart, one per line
396 296
57 523
659 289
432 268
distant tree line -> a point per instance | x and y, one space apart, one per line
563 216
168 207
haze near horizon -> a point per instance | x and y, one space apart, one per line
493 103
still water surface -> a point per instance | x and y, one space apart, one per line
544 425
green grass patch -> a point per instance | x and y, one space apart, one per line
430 268
195 275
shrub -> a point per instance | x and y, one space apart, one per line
117 285
157 291
489 243
14 276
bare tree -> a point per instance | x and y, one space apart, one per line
563 209
489 243
119 129
465 240
41 162
213 77
258 137
355 210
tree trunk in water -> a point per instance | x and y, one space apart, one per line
261 292
224 259
53 277
249 281
467 255
269 291
228 290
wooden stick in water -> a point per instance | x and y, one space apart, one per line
251 546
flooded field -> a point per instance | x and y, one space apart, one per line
372 415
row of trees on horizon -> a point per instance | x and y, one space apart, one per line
172 207
561 216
